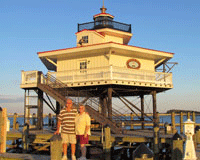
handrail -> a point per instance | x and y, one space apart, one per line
55 82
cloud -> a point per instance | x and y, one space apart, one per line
11 98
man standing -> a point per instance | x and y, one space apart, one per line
66 120
82 124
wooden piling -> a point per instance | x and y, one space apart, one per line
156 142
50 120
188 115
197 134
25 137
193 117
181 123
34 119
56 147
132 117
14 120
17 126
142 111
177 147
173 122
107 144
3 129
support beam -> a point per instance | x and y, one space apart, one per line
109 103
103 104
155 117
121 97
58 108
142 110
40 110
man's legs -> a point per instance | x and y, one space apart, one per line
73 149
65 149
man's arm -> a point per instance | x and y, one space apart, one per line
58 127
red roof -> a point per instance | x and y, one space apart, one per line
102 44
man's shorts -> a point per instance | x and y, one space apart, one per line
82 139
68 138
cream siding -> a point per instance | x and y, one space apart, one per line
120 61
93 37
74 64
109 38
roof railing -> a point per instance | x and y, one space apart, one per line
105 24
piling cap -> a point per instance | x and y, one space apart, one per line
176 136
141 150
56 137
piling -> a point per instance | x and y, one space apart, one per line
50 120
156 142
132 117
3 129
25 139
177 147
142 152
188 115
197 134
107 144
34 119
14 120
56 147
193 117
173 122
181 123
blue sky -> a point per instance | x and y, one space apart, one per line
28 27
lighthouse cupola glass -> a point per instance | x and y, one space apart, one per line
104 20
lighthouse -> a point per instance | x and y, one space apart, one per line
102 65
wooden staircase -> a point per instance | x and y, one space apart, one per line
52 87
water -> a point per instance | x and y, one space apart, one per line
163 119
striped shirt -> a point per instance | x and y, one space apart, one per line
68 120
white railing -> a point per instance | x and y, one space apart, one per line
98 74
32 77
113 73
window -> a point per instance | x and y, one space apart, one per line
83 66
85 39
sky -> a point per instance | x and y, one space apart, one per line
28 27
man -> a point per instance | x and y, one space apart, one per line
82 126
66 119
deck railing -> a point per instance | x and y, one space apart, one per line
113 73
102 73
